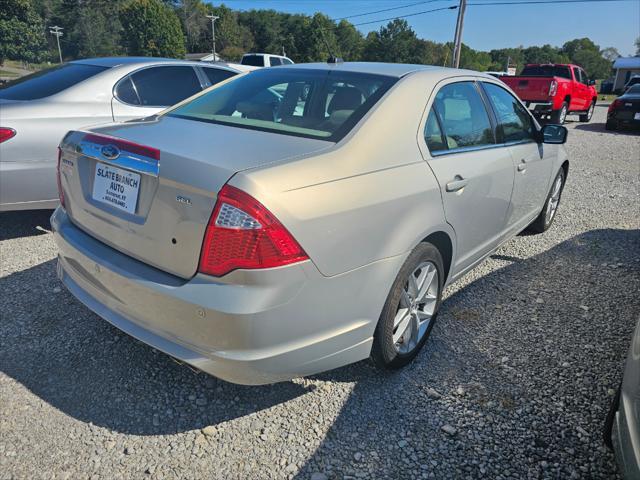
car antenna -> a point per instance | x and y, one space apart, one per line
332 58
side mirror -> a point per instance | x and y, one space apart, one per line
592 82
554 134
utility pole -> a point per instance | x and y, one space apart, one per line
457 42
57 32
213 33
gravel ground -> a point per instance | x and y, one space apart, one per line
514 383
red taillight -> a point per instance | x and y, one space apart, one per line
123 144
242 233
6 134
553 88
617 103
60 192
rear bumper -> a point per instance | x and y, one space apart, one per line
624 117
540 107
249 327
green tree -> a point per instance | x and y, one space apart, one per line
21 32
349 41
583 52
396 42
610 53
151 28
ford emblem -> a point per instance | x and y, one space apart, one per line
110 152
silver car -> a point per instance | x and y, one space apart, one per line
304 217
37 110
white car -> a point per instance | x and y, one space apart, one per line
39 109
265 60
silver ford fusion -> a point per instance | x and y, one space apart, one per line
304 217
37 110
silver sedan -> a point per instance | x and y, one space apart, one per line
304 217
37 110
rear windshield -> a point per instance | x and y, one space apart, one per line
48 82
253 60
546 71
635 89
319 104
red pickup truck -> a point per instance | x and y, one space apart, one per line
555 91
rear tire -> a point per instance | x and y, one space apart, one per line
560 116
586 117
550 208
408 317
611 125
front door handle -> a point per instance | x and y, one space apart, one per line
522 166
457 184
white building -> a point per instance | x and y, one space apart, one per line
625 68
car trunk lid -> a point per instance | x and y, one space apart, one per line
148 188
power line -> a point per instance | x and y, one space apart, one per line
488 3
388 9
539 2
453 7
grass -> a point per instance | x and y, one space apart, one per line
27 66
610 97
5 73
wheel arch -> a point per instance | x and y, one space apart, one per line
443 242
565 167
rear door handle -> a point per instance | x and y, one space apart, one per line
458 184
522 166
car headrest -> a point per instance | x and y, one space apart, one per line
345 98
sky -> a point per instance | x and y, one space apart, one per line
608 24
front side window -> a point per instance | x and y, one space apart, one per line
514 122
275 61
319 104
584 77
463 116
166 85
286 61
49 81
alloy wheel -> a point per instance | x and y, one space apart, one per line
417 306
554 200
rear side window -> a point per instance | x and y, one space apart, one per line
216 75
49 82
514 122
164 86
463 117
253 60
126 93
433 133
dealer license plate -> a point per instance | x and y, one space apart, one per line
116 187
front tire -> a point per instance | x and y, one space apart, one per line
548 213
585 118
410 310
560 116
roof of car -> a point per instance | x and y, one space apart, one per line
390 69
116 61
